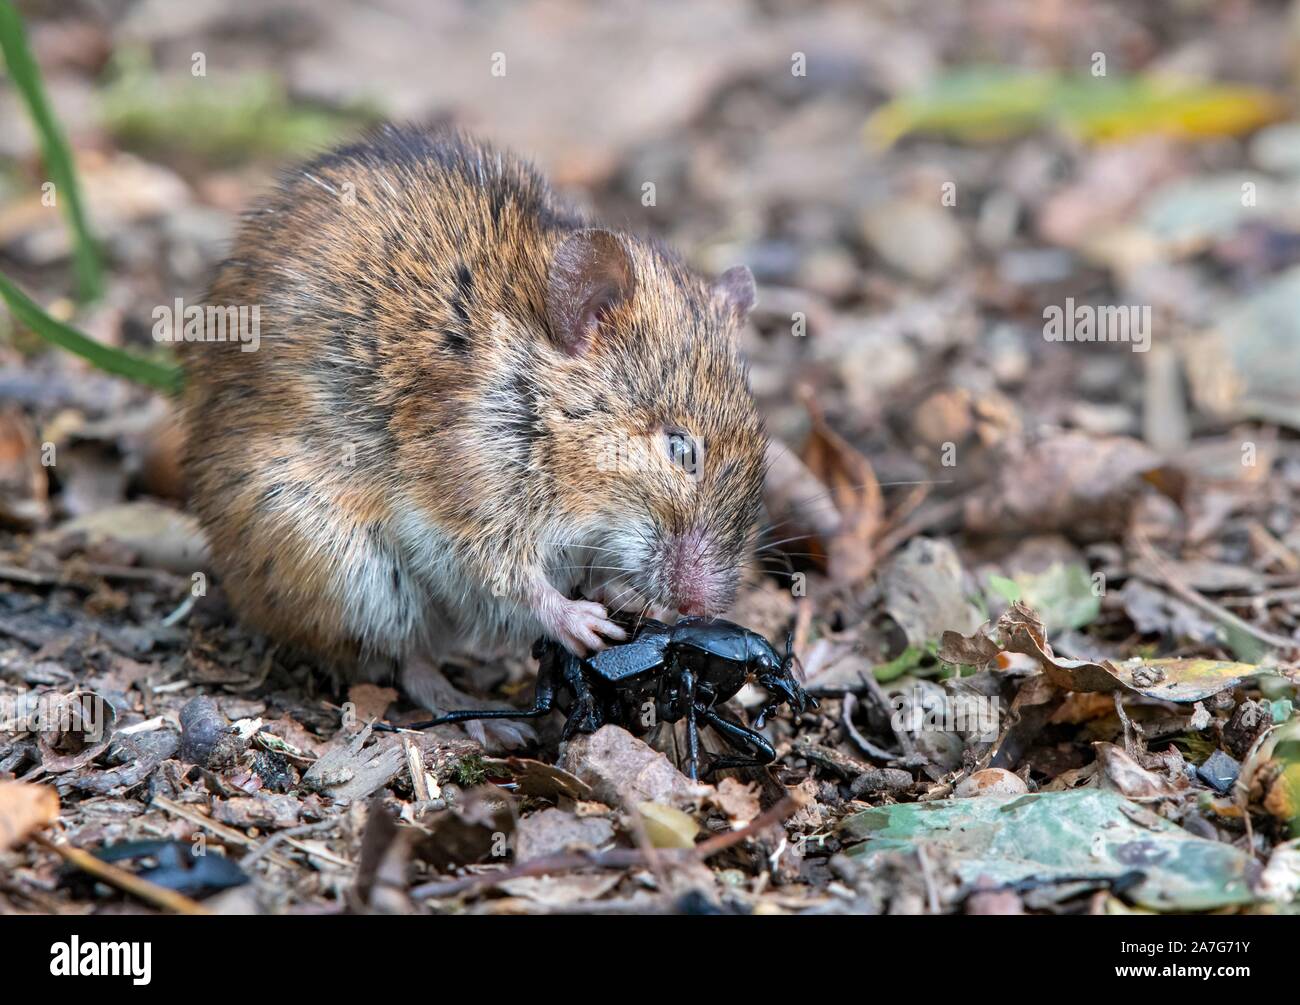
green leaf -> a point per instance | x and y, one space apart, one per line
1054 839
907 660
58 158
1062 594
973 103
1009 589
245 116
990 103
107 358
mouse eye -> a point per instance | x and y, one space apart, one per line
682 450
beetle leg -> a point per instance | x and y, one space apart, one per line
692 728
543 701
584 717
741 738
767 712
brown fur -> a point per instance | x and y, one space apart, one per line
410 376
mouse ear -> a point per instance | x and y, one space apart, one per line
591 273
735 290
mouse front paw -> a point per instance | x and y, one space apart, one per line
579 625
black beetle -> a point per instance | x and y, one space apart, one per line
665 674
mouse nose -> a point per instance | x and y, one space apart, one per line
697 585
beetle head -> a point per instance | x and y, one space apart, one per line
783 680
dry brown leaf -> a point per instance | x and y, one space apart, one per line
624 771
738 800
1181 680
853 488
977 650
1123 773
25 808
1071 483
370 700
24 488
537 778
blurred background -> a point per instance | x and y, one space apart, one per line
916 186
916 181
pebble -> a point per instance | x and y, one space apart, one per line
923 242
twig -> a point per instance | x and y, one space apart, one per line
931 894
774 814
925 518
830 759
280 837
155 577
847 705
28 577
68 578
653 859
802 622
228 834
616 858
235 836
150 893
181 612
1166 576
1266 542
415 767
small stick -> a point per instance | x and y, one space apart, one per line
181 612
228 834
847 705
802 622
415 767
774 814
830 759
150 893
280 837
923 520
235 836
28 577
931 894
617 858
637 823
1164 575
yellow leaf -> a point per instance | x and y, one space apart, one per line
667 827
980 104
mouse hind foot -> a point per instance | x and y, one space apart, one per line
425 683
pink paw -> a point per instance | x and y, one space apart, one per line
579 625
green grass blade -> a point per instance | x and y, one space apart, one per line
107 358
58 158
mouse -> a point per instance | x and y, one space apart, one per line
470 417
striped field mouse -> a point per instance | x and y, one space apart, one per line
467 406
